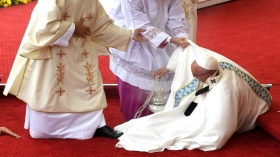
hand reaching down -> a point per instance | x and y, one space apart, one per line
160 72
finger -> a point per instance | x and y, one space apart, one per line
16 136
142 30
155 74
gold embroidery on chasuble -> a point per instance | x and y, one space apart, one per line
88 73
60 72
89 17
66 16
61 54
85 53
60 91
88 67
90 90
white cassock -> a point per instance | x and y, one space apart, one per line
160 19
232 105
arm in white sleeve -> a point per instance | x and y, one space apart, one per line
64 39
140 19
177 22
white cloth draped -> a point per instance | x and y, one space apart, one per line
231 106
160 19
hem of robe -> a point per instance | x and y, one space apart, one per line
133 80
80 126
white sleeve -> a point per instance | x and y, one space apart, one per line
177 22
64 39
141 20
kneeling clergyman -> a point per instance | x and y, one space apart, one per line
56 69
211 99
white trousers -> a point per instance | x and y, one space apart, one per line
63 125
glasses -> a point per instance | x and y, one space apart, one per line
199 74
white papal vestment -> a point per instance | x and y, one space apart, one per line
232 105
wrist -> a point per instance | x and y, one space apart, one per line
168 40
172 40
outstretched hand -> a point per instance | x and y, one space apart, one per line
9 132
160 72
81 30
181 41
137 36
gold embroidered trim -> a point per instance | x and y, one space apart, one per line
90 90
60 91
65 16
85 53
88 73
60 73
89 17
61 54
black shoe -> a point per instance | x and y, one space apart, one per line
107 132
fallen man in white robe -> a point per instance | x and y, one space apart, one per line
231 105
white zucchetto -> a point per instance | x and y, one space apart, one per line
207 62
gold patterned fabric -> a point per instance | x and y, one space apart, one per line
64 79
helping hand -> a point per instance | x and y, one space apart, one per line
181 41
160 72
137 36
81 30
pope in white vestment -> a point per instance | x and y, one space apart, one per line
231 105
56 70
166 28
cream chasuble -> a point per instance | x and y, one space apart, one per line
232 105
64 79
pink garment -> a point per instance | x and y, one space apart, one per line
131 99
